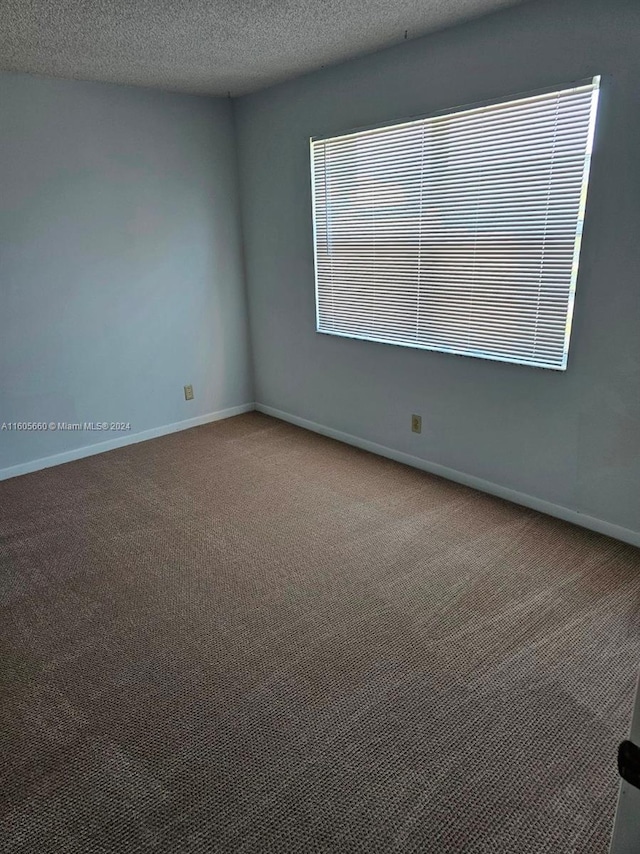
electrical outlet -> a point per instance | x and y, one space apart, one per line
416 423
188 392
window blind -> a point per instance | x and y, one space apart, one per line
460 232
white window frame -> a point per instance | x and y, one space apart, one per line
594 84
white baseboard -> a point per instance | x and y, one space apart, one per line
129 439
560 512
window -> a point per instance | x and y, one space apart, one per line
460 232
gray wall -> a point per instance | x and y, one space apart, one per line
120 260
571 438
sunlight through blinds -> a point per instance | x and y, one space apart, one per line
460 232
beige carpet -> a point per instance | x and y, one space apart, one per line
249 638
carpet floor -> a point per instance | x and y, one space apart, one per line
249 638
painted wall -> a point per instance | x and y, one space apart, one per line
121 273
571 438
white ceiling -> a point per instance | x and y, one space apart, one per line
211 47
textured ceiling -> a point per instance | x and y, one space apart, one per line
212 47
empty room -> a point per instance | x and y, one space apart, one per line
319 426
